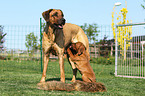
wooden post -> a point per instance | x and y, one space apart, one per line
124 49
12 58
142 53
19 52
90 50
131 49
95 50
111 49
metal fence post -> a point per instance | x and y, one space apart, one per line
116 53
41 42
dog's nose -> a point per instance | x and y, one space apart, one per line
63 21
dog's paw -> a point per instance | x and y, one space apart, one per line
73 80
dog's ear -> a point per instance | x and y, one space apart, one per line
80 51
46 15
62 13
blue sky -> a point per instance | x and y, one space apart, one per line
28 12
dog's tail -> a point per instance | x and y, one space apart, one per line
89 86
77 86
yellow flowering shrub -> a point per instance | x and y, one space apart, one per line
124 33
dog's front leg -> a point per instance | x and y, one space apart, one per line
74 69
61 64
60 52
45 60
46 45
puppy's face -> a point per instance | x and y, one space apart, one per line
78 47
73 46
54 17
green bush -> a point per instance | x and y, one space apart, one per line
9 57
16 58
103 60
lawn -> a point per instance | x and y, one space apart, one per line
21 78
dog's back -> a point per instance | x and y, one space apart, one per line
77 35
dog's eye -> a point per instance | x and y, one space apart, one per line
55 14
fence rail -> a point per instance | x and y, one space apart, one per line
132 24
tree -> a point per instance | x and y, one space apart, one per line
143 5
91 31
2 35
31 43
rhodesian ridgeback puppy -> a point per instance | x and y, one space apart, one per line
78 55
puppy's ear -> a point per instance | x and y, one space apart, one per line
46 15
81 49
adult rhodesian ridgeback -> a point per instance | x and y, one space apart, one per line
57 35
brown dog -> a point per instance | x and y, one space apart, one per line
78 55
57 35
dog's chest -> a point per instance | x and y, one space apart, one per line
51 37
59 38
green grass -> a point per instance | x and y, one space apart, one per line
21 78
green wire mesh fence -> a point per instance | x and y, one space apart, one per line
14 45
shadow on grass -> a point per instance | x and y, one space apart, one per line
58 79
